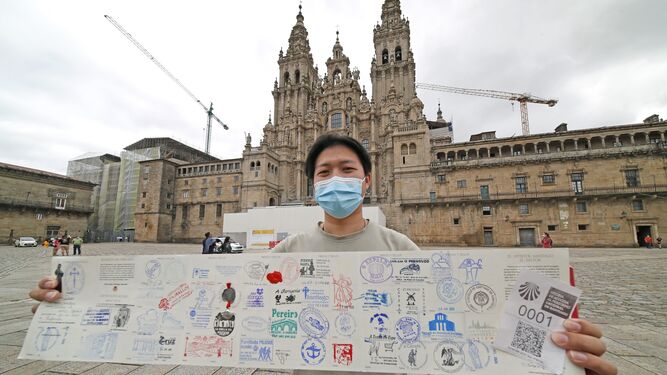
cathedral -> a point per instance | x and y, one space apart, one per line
602 186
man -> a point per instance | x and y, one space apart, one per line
340 169
77 245
206 242
648 241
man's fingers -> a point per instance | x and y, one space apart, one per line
47 283
593 363
49 295
579 342
582 326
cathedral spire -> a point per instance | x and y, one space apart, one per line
298 40
391 12
439 112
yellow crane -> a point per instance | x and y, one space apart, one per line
523 99
209 110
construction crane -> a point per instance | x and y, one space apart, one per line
209 109
523 99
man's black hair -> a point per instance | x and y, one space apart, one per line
328 140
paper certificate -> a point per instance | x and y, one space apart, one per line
410 312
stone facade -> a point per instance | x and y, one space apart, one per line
42 205
487 191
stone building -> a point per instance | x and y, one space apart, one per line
597 187
41 204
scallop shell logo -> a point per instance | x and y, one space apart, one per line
529 291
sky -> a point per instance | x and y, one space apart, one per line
70 83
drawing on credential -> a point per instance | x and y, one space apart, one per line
150 321
477 354
342 354
342 292
145 347
529 291
376 269
313 322
121 317
289 268
224 323
47 337
74 278
480 298
256 350
345 324
152 269
413 355
207 346
255 324
408 329
472 268
255 270
100 345
448 355
313 351
449 290
441 266
374 298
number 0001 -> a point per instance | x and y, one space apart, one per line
531 314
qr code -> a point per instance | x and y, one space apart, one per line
528 339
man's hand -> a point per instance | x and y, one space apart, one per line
584 346
45 291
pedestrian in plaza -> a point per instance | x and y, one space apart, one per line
648 241
340 169
227 246
658 242
56 246
206 242
77 241
64 245
547 242
216 247
45 248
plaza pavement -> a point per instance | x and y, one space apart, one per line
624 292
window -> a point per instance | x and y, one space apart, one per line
218 210
484 191
236 190
385 56
186 193
168 195
486 210
431 196
577 182
184 216
218 191
205 169
52 230
143 194
548 179
581 207
413 149
457 221
336 120
168 206
397 54
60 203
524 209
637 205
364 142
521 184
552 228
461 184
404 149
237 165
40 216
632 177
441 178
224 167
582 226
143 205
145 224
202 211
186 182
204 192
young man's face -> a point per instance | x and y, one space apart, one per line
339 161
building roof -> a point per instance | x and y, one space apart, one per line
37 172
172 145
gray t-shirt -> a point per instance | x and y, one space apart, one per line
372 238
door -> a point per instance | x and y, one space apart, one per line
527 237
484 191
488 237
642 231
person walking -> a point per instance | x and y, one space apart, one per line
77 245
56 246
648 241
64 245
547 242
45 248
658 242
206 243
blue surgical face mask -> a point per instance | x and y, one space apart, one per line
339 196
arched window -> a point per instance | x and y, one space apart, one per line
337 120
297 76
257 165
272 201
385 56
413 149
397 54
286 78
252 165
404 149
325 108
337 75
441 156
364 142
348 104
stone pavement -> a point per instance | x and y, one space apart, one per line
624 292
